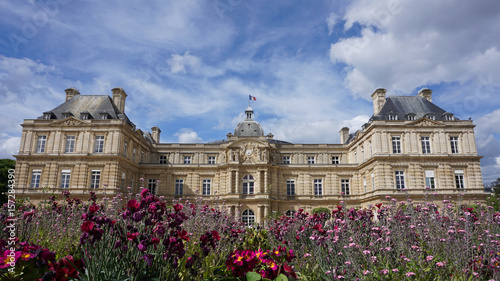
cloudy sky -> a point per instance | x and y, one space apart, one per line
188 66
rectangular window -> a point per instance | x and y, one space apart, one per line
335 160
99 144
311 160
95 179
133 154
318 187
187 159
142 156
429 179
35 178
459 179
125 149
40 147
364 184
373 181
179 186
211 160
152 186
163 159
400 179
426 145
206 186
454 144
392 117
70 144
290 187
396 145
123 181
431 116
345 186
286 160
65 176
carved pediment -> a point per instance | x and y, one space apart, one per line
426 122
249 151
70 121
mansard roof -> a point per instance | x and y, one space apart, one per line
410 105
90 104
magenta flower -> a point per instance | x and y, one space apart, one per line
409 274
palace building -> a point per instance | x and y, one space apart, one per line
409 147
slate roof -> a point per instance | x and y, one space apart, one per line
91 104
404 105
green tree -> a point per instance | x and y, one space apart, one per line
496 188
5 166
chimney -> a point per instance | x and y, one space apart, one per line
378 97
344 135
426 94
70 93
119 97
156 134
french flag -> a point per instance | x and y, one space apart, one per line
252 98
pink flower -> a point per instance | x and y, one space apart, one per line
440 263
429 258
365 272
384 271
409 274
8 258
395 270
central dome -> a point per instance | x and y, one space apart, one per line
249 127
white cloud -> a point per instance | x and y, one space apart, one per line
407 44
331 21
186 135
179 63
9 146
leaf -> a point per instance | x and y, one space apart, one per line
281 277
253 276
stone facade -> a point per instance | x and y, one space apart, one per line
89 144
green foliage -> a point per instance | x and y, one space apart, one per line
321 210
5 166
255 239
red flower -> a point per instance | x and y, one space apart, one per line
133 205
178 208
87 226
215 234
9 258
378 205
183 235
132 236
93 208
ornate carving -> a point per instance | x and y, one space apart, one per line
71 122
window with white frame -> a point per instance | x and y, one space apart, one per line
373 181
286 160
454 144
133 154
248 184
66 115
345 186
211 160
449 117
123 181
248 217
36 175
362 154
99 144
47 116
187 159
318 187
65 177
396 145
70 144
40 146
430 116
400 179
179 186
142 156
95 178
311 160
84 116
335 160
103 116
207 185
163 159
364 184
459 179
410 117
429 179
426 145
152 186
392 117
290 213
290 187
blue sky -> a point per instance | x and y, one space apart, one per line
189 66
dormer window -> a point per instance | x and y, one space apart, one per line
85 116
449 117
48 115
104 116
430 116
392 117
66 115
410 116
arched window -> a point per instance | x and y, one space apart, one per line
248 182
290 213
248 217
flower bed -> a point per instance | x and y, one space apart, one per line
143 237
